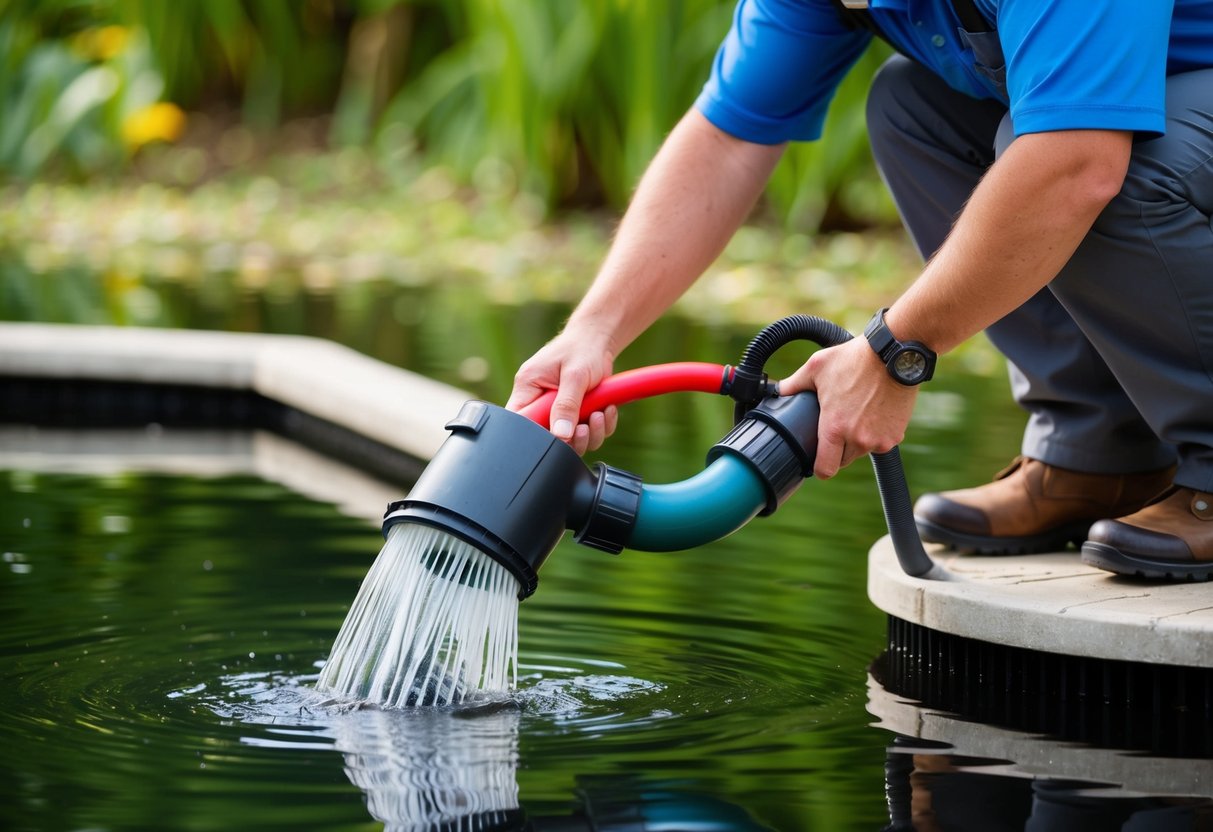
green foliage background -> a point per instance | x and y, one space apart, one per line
565 100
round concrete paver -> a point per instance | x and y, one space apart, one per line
1051 602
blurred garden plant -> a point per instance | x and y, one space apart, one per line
77 95
564 101
576 96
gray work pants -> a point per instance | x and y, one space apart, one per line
1113 360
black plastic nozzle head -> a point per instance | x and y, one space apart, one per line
778 438
503 484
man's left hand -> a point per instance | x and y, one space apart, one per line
863 410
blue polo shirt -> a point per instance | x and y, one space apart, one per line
1070 64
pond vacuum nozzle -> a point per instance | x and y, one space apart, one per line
509 487
503 483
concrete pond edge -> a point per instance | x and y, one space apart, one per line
387 404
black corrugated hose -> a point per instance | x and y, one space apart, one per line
890 476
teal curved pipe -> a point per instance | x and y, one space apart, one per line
714 503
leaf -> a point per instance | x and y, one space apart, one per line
88 91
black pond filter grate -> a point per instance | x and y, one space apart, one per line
92 403
1158 709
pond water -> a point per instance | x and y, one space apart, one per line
161 634
162 631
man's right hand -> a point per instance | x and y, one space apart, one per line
571 364
694 195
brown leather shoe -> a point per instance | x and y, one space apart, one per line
1032 507
1170 539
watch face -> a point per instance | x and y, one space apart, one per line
910 366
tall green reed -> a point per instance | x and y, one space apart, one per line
576 96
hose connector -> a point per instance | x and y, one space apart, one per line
778 438
612 515
747 386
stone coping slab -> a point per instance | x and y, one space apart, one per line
400 409
1051 602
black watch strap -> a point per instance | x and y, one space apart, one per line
908 362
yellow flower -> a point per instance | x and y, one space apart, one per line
102 43
162 121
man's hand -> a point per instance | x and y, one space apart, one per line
694 195
863 410
570 364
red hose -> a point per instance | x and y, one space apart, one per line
631 385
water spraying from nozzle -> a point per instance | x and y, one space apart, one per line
434 621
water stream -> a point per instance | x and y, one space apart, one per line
435 622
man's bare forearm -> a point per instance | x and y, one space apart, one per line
698 190
1022 224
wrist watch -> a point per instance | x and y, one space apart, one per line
908 362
